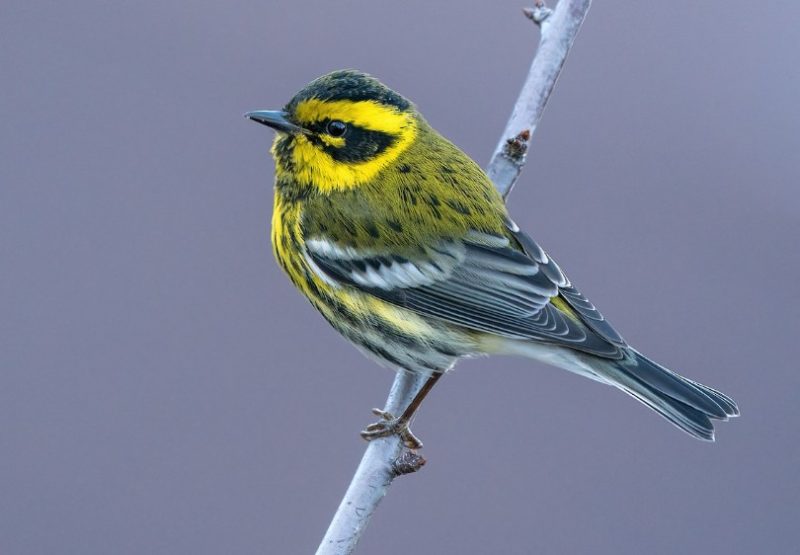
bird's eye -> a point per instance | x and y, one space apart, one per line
336 128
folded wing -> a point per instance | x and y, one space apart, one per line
480 282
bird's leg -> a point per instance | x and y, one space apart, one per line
388 425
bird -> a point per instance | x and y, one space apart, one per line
402 243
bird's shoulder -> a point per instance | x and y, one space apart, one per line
432 193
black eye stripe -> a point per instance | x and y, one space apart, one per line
360 145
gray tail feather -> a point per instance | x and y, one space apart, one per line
689 405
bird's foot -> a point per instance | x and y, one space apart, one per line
387 426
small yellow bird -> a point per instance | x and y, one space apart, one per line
402 243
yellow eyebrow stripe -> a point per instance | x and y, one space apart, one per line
367 114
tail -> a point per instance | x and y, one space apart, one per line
689 405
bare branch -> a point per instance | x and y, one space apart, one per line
558 30
386 458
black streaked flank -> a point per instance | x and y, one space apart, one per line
406 340
379 351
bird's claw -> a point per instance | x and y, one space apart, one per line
387 426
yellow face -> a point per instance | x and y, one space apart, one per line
342 142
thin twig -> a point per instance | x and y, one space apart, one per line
380 465
558 30
386 458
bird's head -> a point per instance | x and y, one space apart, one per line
339 131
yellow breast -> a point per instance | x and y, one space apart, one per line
331 300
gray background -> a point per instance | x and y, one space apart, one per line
164 390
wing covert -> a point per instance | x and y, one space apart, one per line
574 298
480 282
